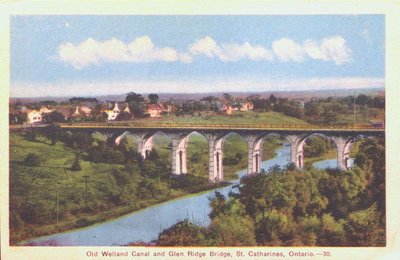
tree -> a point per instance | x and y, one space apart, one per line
53 117
154 99
365 227
137 108
228 97
52 132
183 233
313 111
379 102
77 100
17 118
32 160
233 227
133 97
272 99
362 100
209 99
79 143
123 116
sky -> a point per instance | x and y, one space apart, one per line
100 55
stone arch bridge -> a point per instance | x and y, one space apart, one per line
296 135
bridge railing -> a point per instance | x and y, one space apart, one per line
166 125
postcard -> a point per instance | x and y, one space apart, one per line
169 130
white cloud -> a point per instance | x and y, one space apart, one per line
92 52
206 46
26 89
328 49
142 49
335 49
287 50
332 49
229 52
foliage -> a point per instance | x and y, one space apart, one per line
76 166
286 207
53 117
52 132
133 97
123 116
17 118
232 227
183 233
32 160
316 146
154 99
77 100
366 227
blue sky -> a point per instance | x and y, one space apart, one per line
97 55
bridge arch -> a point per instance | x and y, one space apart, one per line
305 138
349 145
148 140
197 153
235 150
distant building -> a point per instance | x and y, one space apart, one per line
227 109
113 113
117 109
36 116
155 110
82 111
242 105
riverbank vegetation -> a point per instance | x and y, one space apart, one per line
61 181
287 207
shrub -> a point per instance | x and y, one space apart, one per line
32 160
76 166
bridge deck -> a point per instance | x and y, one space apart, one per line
273 127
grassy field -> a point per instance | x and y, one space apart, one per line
362 116
238 117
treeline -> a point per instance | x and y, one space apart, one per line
322 110
297 208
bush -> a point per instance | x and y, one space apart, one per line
76 166
32 160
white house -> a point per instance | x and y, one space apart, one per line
113 113
34 116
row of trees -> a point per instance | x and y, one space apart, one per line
318 111
291 208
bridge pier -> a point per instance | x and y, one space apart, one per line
215 157
296 149
145 145
343 145
254 147
179 151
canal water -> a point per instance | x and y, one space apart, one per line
145 225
